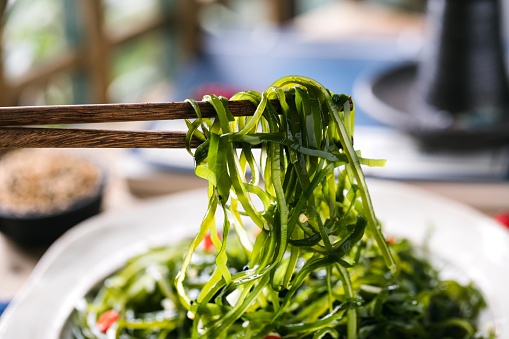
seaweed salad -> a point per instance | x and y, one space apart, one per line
289 247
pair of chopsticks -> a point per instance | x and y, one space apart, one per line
17 124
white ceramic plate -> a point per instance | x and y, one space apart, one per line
472 243
405 158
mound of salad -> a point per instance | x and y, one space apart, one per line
311 262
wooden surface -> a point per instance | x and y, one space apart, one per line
16 265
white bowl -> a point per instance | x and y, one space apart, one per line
472 243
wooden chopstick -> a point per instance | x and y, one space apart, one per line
30 137
82 114
14 136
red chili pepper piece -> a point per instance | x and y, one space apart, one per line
503 218
391 240
208 245
272 336
106 320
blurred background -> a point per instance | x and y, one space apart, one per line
56 51
110 51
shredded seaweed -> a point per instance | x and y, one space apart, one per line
413 303
296 250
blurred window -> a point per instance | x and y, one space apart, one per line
96 51
93 51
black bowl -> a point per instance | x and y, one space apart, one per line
41 230
388 95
